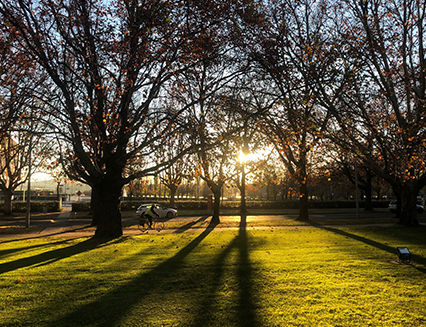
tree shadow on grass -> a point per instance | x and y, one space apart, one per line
19 239
187 226
246 307
245 272
52 256
42 234
384 247
245 277
112 307
7 252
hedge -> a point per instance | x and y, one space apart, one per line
202 204
81 206
51 206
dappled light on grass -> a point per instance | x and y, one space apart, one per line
298 276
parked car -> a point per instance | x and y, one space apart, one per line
392 207
163 211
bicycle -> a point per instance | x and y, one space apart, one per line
157 224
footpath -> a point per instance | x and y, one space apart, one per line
68 224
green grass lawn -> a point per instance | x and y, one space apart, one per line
278 277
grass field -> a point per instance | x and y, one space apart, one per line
279 277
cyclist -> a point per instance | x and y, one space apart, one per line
150 213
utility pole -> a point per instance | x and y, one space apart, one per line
30 150
28 214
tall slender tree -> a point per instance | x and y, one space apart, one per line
202 88
281 41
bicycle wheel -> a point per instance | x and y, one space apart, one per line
158 225
143 224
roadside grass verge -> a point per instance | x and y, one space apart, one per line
278 277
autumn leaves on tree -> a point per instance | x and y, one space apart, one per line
121 77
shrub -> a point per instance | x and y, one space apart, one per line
51 206
256 204
81 207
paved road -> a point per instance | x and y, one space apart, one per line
66 222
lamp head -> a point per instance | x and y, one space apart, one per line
404 254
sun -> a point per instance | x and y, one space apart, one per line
242 158
39 176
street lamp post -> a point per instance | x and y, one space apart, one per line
30 150
59 193
28 213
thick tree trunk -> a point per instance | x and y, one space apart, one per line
173 190
303 203
303 187
409 205
7 206
109 224
216 207
216 188
95 203
398 204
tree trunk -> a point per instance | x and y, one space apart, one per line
368 192
243 208
409 205
398 203
267 191
109 224
216 188
303 197
216 206
7 206
173 190
95 203
303 203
